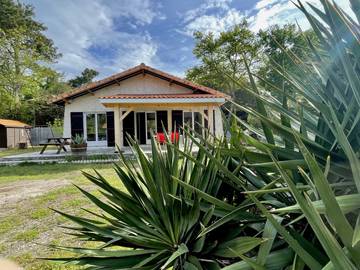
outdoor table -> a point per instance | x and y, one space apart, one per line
59 142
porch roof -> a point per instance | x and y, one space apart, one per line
163 98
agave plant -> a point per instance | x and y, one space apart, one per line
157 223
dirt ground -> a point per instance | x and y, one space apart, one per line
27 222
12 193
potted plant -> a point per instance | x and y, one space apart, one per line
78 144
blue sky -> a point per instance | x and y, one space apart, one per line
113 35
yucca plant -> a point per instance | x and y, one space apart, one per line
157 222
305 166
303 171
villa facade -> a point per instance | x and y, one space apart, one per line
138 102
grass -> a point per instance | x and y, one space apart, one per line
30 224
27 236
16 151
40 213
47 171
8 223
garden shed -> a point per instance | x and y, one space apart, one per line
13 132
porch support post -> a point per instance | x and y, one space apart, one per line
169 119
210 119
117 127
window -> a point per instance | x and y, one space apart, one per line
195 121
150 124
101 126
96 127
91 127
188 120
198 122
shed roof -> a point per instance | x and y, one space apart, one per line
13 123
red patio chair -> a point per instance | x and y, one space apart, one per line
174 137
160 137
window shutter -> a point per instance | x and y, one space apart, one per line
77 123
162 119
128 127
110 128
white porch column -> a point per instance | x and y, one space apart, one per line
219 131
210 119
118 127
169 120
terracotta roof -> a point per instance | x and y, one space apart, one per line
140 69
150 96
13 123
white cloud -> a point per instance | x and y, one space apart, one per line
263 3
204 7
76 27
270 12
215 23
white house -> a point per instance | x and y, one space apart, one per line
139 101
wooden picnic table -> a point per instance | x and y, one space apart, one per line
59 142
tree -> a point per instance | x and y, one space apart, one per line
23 46
86 76
25 81
222 59
278 43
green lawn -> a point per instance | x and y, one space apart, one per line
47 171
29 224
16 151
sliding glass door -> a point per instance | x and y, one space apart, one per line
95 128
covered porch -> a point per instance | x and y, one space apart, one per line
142 115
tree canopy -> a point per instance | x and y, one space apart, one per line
26 80
223 58
85 77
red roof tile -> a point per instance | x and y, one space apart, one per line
150 96
133 72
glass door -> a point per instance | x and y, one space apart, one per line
150 126
96 127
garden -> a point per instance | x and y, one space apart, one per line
278 192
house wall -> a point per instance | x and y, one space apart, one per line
140 84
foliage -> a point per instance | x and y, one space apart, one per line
26 80
294 187
277 43
86 76
57 126
305 167
159 220
78 139
225 53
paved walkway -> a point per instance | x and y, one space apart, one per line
93 155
